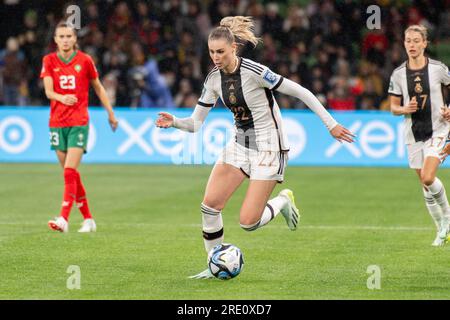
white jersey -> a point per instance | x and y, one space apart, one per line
426 86
247 92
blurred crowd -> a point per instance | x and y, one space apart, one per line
155 54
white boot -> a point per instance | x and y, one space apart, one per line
59 224
88 226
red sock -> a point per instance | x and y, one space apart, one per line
70 191
82 202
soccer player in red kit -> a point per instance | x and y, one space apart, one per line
67 74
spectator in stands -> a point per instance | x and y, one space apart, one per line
13 73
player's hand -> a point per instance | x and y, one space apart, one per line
165 120
411 107
445 112
341 133
69 99
445 152
113 122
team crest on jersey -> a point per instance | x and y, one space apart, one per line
232 98
270 77
418 88
77 68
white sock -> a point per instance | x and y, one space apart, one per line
437 190
212 227
433 208
272 209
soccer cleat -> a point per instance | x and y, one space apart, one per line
59 224
438 242
88 226
444 230
290 211
206 274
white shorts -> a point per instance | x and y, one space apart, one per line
419 151
257 165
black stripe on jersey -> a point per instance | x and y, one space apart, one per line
252 70
250 64
210 73
419 87
445 95
233 98
439 63
403 65
252 67
278 84
396 95
269 97
248 176
207 105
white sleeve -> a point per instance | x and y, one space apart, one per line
293 89
394 85
209 95
265 77
194 122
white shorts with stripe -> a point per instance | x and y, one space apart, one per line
419 151
257 165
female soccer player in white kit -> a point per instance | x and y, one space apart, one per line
416 92
259 150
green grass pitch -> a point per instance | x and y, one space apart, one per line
149 237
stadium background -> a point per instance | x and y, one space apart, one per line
152 56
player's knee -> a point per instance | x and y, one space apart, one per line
249 224
427 179
215 204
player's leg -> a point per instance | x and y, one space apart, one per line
434 210
58 142
73 159
416 159
257 210
437 190
222 183
77 141
61 155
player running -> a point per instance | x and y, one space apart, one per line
67 74
259 150
416 93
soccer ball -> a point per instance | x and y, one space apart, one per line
225 261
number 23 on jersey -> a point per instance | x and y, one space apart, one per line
67 82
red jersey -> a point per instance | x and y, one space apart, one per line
70 76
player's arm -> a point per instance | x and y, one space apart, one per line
293 89
101 94
397 109
67 99
189 124
198 116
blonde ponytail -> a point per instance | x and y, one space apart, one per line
236 28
